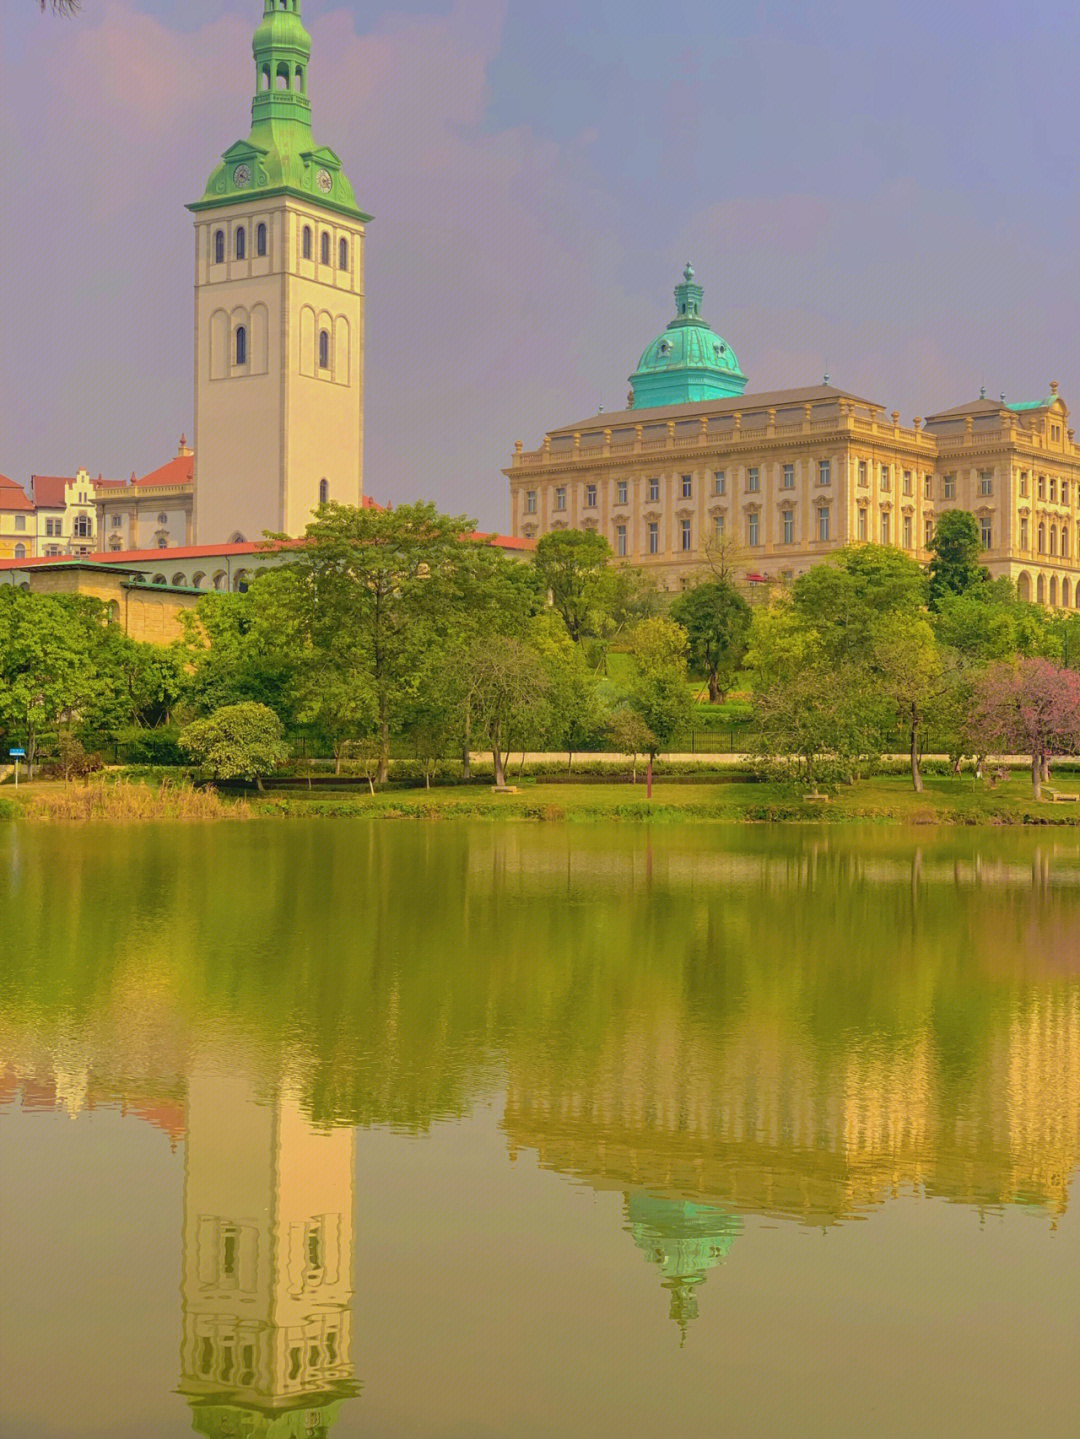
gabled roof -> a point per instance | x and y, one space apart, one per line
13 496
48 491
180 470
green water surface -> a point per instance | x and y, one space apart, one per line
455 1130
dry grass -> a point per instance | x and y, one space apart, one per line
124 801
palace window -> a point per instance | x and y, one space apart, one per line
886 528
886 478
1064 542
986 482
1042 539
861 525
654 490
241 345
219 247
620 540
789 527
1024 532
789 477
590 497
117 521
343 255
324 491
324 349
654 537
1055 432
1042 487
928 532
687 487
907 532
1023 484
560 497
908 489
1053 489
753 479
530 502
928 487
621 490
824 473
260 239
1053 539
719 526
719 485
305 242
241 242
752 529
985 531
948 487
685 535
324 247
823 523
1064 492
862 472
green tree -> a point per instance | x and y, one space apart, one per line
658 694
841 601
914 673
573 565
716 619
576 717
506 687
955 565
241 741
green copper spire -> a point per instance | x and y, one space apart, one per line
280 155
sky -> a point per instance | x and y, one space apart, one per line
888 192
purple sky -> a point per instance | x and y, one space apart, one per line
887 190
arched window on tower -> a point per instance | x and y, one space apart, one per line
306 242
219 247
298 81
241 345
283 75
241 242
324 491
265 77
324 349
343 255
324 247
260 239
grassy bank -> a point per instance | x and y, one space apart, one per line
884 799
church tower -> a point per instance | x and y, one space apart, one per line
279 312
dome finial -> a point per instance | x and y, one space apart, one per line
688 273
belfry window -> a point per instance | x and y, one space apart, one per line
324 247
241 345
306 242
324 349
282 76
324 491
260 239
298 81
343 255
219 247
241 242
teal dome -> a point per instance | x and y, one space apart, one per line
685 1240
689 361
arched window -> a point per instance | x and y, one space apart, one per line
178 578
324 248
282 75
219 247
1053 539
81 527
306 242
241 345
1065 541
20 550
324 349
324 491
241 242
266 77
260 239
298 83
343 255
1042 539
163 518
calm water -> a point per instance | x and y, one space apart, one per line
448 1130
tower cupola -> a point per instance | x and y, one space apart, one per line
282 49
689 361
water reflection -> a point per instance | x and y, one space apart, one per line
713 1025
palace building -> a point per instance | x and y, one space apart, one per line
781 479
279 312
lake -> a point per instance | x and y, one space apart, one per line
468 1130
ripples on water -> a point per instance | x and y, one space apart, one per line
575 1092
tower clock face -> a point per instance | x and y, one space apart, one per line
242 175
325 181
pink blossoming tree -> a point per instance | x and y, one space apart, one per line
1031 707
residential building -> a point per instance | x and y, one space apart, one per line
152 513
18 521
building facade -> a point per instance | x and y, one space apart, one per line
279 312
780 480
156 512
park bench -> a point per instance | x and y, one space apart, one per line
1057 796
504 789
824 798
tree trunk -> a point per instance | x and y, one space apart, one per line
916 776
569 761
466 772
427 778
714 688
384 751
259 784
1045 770
1036 775
648 779
500 770
337 760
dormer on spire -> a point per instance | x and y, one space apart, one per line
688 296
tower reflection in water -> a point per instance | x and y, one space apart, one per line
267 1264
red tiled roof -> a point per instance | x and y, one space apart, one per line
13 496
48 491
179 470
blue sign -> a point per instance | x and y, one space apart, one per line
17 753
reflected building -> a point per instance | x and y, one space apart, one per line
267 1265
685 1240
